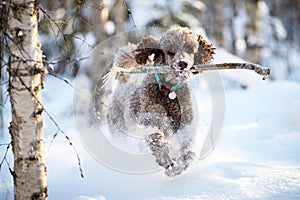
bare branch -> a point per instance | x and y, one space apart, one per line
64 61
5 100
56 124
69 84
129 13
81 39
3 83
5 144
4 156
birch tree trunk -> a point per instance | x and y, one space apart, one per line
25 84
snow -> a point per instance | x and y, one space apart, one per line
257 156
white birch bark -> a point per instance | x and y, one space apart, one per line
25 84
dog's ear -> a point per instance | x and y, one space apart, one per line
205 52
148 50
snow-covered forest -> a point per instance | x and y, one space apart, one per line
252 153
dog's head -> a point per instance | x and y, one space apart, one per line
179 48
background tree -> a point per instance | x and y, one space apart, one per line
261 31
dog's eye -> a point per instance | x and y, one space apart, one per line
170 53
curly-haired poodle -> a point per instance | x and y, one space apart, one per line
161 102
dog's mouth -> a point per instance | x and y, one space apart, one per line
182 67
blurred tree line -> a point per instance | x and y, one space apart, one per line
255 29
260 31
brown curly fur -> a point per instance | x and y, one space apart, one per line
176 43
148 104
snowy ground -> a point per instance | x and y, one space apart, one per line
257 156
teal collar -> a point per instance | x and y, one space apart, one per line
172 94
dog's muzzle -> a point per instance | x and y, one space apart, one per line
182 65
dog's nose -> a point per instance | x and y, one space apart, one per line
182 64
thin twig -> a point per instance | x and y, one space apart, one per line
4 101
59 30
69 84
62 61
9 168
129 12
4 144
56 124
5 154
81 39
3 83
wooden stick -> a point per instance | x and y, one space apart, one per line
264 71
196 68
